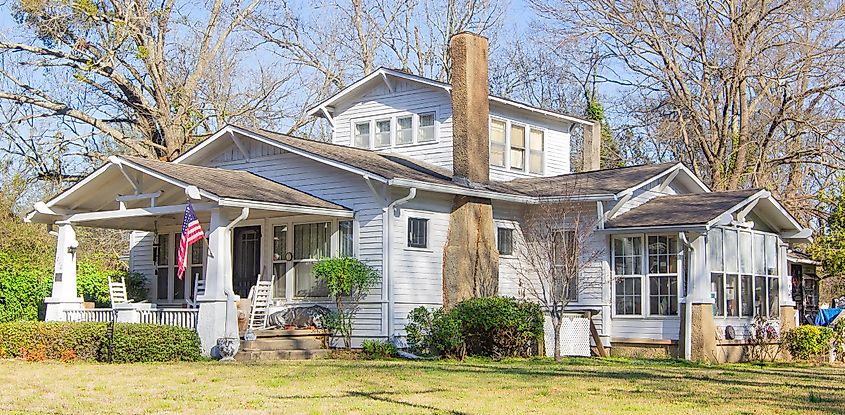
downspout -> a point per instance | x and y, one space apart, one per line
412 193
688 303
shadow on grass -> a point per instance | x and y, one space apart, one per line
381 396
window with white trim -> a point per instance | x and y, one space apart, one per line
517 158
662 275
417 233
536 162
404 130
346 238
311 241
628 267
280 262
497 143
426 130
504 241
564 250
744 280
169 288
383 132
362 134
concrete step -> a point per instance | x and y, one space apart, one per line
269 355
290 333
283 343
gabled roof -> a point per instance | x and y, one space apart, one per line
321 109
232 184
685 209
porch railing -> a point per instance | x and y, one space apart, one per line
97 315
179 317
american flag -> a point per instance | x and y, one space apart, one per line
191 233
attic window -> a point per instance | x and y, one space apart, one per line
497 143
404 130
383 133
426 128
517 147
362 134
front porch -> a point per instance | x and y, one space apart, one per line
256 229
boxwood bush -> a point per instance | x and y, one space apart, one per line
130 343
489 326
808 342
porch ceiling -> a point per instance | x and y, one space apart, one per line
134 193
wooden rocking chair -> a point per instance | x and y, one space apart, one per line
260 298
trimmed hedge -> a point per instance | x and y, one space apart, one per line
489 326
130 343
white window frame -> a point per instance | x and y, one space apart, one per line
391 133
527 150
174 235
512 230
754 275
354 131
645 275
394 124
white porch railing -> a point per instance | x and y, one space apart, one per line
97 315
179 317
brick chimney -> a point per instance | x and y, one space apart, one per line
470 107
470 257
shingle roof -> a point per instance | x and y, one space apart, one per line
598 182
234 184
686 209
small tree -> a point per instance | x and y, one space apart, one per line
348 280
553 250
828 246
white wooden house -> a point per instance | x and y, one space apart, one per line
383 189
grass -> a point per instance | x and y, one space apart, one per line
575 386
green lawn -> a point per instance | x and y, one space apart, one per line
578 386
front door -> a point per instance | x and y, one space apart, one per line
246 264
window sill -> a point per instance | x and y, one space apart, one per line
410 248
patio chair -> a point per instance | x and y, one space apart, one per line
117 291
260 298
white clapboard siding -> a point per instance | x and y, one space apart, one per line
556 143
141 257
645 193
646 328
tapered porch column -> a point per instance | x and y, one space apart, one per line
217 312
63 296
701 326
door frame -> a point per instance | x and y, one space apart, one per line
235 259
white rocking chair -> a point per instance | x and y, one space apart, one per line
199 289
117 291
260 295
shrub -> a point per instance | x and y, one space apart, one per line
348 280
90 341
434 333
378 349
499 326
808 342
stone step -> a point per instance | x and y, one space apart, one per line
269 355
290 333
283 343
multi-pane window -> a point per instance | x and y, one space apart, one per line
362 134
663 275
280 260
426 130
169 288
417 233
383 133
564 252
497 143
517 147
346 238
404 130
627 260
744 272
310 243
504 241
535 148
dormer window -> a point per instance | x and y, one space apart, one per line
362 134
404 130
426 128
517 147
497 143
383 133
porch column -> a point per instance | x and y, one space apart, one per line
788 314
63 296
218 316
701 325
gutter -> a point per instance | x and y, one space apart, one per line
388 266
493 195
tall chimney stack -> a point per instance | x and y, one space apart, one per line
470 257
470 107
591 150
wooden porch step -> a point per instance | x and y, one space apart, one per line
269 355
283 343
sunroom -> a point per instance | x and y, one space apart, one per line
256 229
